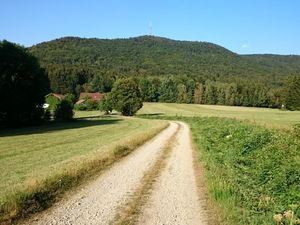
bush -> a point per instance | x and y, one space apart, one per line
80 107
88 105
64 111
52 101
106 104
47 115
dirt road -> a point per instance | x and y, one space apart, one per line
174 199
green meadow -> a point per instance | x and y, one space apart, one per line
263 116
35 153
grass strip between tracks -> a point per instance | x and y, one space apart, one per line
129 214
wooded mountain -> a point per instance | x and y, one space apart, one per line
157 56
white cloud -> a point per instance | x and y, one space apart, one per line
245 46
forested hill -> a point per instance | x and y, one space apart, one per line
156 56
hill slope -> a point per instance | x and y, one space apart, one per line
149 55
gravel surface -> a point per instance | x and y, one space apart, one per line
175 199
98 201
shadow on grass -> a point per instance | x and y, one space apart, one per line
55 126
150 114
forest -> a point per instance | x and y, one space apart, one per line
167 70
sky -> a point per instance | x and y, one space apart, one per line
242 26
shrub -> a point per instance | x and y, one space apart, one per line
106 104
47 115
89 104
52 101
80 107
64 111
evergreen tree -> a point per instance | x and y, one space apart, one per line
198 93
210 93
182 94
168 90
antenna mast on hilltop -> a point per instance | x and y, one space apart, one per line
150 29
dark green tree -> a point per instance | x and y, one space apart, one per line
23 86
101 83
126 96
64 111
190 85
168 90
198 93
292 93
106 105
182 94
210 92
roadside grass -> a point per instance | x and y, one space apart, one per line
252 173
268 117
38 164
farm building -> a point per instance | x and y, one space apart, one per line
88 101
96 97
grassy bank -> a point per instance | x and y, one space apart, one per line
38 164
253 173
263 116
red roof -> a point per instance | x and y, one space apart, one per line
59 96
95 96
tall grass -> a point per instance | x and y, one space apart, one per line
41 193
253 173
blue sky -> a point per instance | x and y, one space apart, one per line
243 26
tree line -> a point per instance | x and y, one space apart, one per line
24 84
180 89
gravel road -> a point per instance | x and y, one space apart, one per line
175 199
98 201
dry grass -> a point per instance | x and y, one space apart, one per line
129 214
38 193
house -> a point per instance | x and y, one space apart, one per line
96 97
55 95
89 101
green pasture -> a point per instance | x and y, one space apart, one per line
263 116
28 154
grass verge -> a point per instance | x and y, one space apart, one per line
130 213
40 194
211 211
252 173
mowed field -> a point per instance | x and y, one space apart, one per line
29 154
264 116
